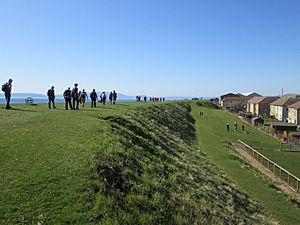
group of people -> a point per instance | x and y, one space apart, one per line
75 97
152 99
235 125
201 114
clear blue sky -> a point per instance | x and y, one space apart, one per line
153 47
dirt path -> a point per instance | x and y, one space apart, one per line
276 180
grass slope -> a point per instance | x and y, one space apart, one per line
212 135
115 165
153 175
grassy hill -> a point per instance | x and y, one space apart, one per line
212 139
125 164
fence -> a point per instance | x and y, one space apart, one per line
278 145
277 170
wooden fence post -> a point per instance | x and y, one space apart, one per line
280 174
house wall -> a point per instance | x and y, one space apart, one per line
279 113
252 107
257 109
233 104
273 109
264 109
230 104
294 116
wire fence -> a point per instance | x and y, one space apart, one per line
277 170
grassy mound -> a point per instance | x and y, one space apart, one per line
150 173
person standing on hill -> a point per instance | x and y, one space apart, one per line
7 88
103 97
228 127
235 126
51 97
94 98
114 97
110 97
83 96
75 97
67 96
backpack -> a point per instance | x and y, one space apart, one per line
4 87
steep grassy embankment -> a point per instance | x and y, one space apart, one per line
151 174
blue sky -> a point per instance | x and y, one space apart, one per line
170 47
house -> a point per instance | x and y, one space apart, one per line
260 105
226 96
279 108
237 103
252 104
294 113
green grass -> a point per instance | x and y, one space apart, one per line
42 157
212 134
120 164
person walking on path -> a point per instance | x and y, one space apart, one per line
114 96
75 97
94 98
67 96
243 127
228 127
103 98
7 88
83 96
51 97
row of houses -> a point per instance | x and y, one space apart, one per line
285 109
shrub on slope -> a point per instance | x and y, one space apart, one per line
151 174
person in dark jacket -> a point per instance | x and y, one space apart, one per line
7 92
110 97
114 96
51 97
67 96
94 98
103 98
75 97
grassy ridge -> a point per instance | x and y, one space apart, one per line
153 175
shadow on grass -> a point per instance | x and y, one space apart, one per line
23 110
